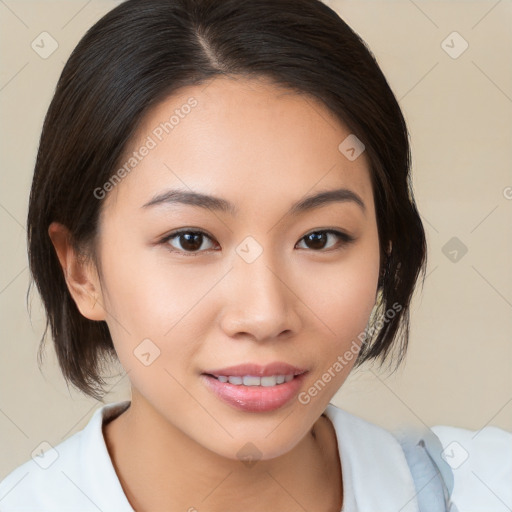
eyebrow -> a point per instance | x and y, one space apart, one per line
222 205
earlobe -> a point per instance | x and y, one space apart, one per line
80 274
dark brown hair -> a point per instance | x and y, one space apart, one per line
143 51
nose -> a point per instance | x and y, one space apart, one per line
260 302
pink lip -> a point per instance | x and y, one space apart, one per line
276 368
254 398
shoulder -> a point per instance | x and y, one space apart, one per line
372 458
32 483
482 466
408 458
69 476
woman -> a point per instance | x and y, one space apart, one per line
222 201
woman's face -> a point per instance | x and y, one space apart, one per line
262 283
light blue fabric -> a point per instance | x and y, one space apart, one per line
433 477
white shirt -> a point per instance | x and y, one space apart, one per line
481 461
77 475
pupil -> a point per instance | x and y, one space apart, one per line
192 241
318 239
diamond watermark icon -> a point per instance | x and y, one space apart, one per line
455 455
454 45
351 147
454 249
249 454
146 352
45 455
249 249
44 45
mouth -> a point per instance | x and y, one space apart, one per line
252 380
255 388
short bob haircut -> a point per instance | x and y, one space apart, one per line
143 51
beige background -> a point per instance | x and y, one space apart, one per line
459 366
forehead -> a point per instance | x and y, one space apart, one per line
240 138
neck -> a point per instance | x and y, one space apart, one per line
168 467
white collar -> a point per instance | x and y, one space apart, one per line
375 473
99 465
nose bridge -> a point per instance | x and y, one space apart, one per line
259 300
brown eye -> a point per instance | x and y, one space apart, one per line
318 240
187 241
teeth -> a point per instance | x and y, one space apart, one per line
251 380
268 381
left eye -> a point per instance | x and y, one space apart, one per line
317 240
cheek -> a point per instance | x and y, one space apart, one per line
351 303
150 292
343 295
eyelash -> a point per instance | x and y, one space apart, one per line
345 238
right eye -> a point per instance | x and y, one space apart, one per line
186 242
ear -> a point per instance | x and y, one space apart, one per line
81 276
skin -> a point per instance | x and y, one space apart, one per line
262 148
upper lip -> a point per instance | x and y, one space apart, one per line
276 368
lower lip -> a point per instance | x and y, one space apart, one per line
254 398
